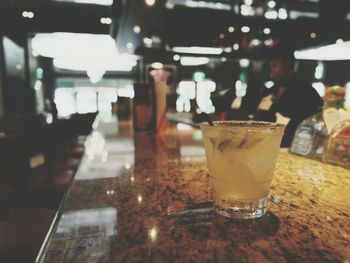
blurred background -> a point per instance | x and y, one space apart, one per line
63 61
84 54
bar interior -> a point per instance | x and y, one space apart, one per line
174 131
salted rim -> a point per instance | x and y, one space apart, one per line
243 124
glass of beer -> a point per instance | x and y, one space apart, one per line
241 157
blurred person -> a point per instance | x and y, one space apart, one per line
223 101
255 87
240 108
54 110
291 97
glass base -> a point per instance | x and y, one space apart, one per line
241 209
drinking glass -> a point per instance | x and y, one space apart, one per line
241 157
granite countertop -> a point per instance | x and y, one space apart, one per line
142 198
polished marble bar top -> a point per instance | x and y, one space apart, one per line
143 198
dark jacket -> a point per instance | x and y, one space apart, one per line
297 100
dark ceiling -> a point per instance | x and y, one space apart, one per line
51 16
178 23
184 23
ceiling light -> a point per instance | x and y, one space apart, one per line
228 49
203 4
221 36
245 29
268 42
267 30
136 29
313 35
247 10
248 2
244 63
339 41
106 20
293 14
156 40
121 63
282 13
340 51
82 52
176 57
150 2
255 42
218 5
194 61
157 65
129 45
235 46
269 84
147 41
74 45
272 14
271 4
94 2
231 29
28 14
19 66
223 59
198 50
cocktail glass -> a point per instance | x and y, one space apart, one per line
241 157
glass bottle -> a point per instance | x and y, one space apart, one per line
144 107
310 137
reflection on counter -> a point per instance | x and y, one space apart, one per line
153 234
139 199
107 160
183 127
192 154
89 221
104 168
165 210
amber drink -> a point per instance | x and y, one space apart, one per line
241 157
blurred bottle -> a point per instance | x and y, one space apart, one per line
123 108
144 107
338 146
160 77
310 137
